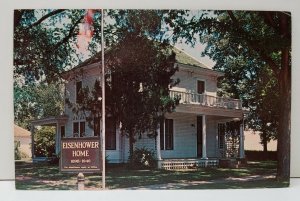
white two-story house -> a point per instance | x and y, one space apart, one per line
196 133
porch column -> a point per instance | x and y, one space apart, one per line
32 141
204 155
158 151
242 151
158 145
57 138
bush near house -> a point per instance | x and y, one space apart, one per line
142 159
44 142
261 156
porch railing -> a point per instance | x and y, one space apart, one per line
173 164
206 100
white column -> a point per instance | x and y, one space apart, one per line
242 151
204 155
57 139
158 153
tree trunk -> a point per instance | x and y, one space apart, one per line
284 132
265 147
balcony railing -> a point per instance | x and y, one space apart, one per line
206 100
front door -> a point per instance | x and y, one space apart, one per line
199 136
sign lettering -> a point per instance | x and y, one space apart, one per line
80 155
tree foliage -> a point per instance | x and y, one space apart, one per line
45 42
33 101
44 142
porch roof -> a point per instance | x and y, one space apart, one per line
212 111
50 121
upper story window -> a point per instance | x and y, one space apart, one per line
79 96
200 87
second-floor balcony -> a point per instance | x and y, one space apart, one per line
206 100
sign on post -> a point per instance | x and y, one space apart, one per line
80 155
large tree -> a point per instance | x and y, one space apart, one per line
141 72
261 37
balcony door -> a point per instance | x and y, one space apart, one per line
200 87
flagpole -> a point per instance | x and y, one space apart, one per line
103 100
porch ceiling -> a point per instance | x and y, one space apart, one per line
212 111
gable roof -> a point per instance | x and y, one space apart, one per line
183 58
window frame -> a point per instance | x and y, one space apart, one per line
221 141
62 131
81 124
204 87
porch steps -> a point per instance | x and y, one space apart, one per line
177 164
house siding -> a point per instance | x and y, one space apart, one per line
188 82
184 137
211 138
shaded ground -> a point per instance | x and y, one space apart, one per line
48 177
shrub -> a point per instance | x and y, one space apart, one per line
44 142
142 159
260 155
54 160
17 151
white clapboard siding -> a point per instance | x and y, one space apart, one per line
188 82
185 136
211 136
145 142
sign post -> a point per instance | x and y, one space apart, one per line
103 99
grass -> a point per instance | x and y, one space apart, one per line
47 177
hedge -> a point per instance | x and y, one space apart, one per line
260 155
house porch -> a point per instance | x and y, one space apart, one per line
58 122
196 141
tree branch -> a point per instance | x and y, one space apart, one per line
45 17
253 45
70 34
268 18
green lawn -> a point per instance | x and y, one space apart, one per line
47 177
